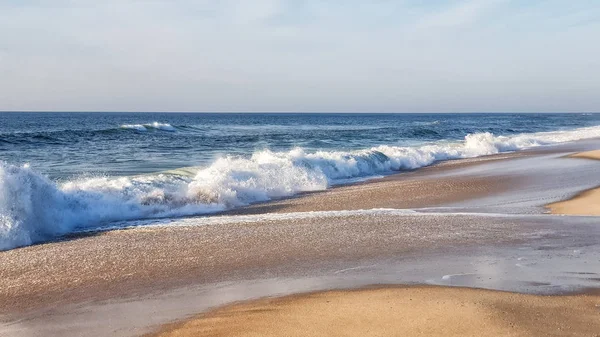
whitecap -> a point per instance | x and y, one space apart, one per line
137 127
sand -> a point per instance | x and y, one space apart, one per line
587 155
585 203
409 311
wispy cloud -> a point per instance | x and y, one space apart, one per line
290 55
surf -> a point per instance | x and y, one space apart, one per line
35 209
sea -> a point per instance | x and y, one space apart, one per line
64 172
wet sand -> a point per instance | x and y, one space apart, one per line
408 311
126 262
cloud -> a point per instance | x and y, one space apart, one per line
290 55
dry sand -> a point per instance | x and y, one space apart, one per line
408 311
584 203
587 155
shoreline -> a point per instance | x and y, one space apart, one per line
296 203
461 189
431 176
397 309
451 245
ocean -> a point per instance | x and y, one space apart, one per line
63 172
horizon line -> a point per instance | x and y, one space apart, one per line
301 112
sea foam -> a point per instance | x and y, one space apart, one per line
35 209
145 127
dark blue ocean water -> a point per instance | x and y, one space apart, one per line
61 172
64 145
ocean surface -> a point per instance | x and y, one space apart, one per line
61 172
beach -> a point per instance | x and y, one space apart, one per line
476 223
299 168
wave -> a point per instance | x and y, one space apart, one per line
36 209
137 127
66 135
427 123
145 127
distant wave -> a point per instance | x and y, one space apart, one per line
35 209
428 123
58 136
145 127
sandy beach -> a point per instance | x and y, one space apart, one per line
299 168
472 223
411 311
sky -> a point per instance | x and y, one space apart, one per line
292 55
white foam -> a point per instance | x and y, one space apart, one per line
137 127
266 217
145 127
160 126
451 277
34 209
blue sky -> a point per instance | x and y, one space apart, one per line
291 55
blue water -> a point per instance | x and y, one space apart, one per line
64 145
61 172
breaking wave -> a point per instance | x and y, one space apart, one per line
145 127
36 209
